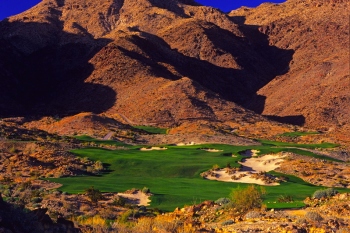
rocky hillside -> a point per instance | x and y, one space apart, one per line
315 88
165 62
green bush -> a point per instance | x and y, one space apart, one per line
285 199
123 218
324 193
94 194
223 201
146 190
331 192
120 201
246 199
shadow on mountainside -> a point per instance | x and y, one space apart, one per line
278 59
237 85
173 6
43 69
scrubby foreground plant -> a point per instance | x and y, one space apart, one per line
246 199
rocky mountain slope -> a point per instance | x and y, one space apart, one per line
165 62
316 86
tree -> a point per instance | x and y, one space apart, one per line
246 199
94 194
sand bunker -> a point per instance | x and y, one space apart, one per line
153 148
212 150
252 171
264 163
139 198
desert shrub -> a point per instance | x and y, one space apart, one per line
223 201
168 223
35 193
25 185
36 199
144 225
98 166
123 218
286 198
108 214
246 199
146 190
227 222
324 193
331 192
6 192
13 150
92 221
94 194
119 201
313 216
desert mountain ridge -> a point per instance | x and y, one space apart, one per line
167 62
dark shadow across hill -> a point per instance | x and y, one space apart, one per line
45 75
277 58
293 120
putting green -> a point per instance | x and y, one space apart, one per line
173 175
152 130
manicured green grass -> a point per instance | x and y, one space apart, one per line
173 175
308 146
85 138
298 134
152 130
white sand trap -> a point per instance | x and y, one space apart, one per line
153 148
140 198
212 150
225 177
264 163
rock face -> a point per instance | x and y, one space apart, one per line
167 61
